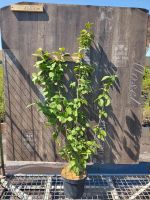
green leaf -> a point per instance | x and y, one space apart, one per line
105 78
88 25
69 111
38 52
78 128
59 107
52 66
87 125
62 49
103 132
34 78
55 135
52 120
105 114
39 62
45 93
89 143
55 97
39 73
107 102
51 74
61 119
75 113
73 84
101 102
72 163
69 119
69 137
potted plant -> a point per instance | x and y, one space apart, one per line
68 113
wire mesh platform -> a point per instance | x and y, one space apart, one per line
102 187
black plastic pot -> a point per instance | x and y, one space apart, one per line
74 188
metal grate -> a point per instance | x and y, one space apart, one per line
102 187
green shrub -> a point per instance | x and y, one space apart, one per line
69 116
146 93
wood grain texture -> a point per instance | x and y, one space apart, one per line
120 44
148 32
27 8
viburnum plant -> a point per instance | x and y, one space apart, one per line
66 114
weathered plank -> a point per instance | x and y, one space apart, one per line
148 32
27 8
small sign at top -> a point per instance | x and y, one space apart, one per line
27 7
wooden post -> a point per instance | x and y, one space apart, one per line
2 131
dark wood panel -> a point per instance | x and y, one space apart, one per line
120 42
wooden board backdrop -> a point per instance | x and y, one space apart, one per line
120 44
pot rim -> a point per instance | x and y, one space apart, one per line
73 180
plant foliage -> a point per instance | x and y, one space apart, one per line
146 93
68 115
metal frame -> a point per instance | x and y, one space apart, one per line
104 187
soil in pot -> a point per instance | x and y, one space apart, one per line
73 185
